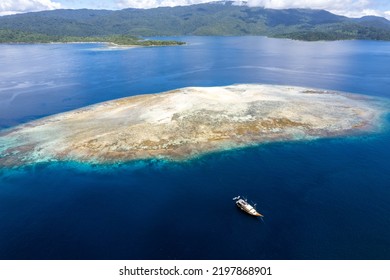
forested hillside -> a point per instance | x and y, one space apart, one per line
204 19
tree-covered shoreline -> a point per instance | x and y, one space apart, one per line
16 36
209 19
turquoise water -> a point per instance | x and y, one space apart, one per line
323 199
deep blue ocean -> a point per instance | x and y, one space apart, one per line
322 199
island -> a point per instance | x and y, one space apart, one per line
189 122
16 36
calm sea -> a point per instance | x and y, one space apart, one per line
323 199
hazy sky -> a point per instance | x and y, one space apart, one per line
353 8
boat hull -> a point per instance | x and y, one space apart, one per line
246 207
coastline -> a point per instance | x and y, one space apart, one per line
109 44
114 40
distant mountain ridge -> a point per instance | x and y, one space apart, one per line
215 18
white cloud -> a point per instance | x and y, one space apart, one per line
8 7
88 4
351 8
314 4
145 4
274 4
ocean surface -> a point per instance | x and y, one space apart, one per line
322 199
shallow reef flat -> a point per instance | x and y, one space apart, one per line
188 122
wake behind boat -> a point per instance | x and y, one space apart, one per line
245 206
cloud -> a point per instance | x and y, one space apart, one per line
314 4
145 4
8 7
352 8
273 4
88 4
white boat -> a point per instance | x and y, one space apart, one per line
245 206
